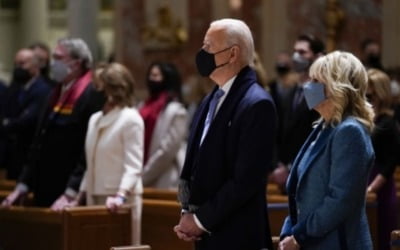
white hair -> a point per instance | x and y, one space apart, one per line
238 33
78 49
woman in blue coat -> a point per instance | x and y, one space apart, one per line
328 181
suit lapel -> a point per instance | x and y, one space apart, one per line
243 81
108 119
317 149
198 123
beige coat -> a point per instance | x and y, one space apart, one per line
114 153
167 148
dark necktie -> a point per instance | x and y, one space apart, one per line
297 98
211 112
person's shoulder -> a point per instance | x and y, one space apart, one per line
256 93
175 107
131 115
95 116
352 127
41 84
350 122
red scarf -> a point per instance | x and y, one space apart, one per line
150 112
65 104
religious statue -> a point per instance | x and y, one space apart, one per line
167 34
334 20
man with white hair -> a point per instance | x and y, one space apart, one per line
223 181
56 160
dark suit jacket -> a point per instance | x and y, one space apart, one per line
20 128
296 127
57 159
227 173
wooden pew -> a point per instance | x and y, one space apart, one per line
160 216
160 194
158 220
131 248
2 173
168 194
7 185
80 228
395 240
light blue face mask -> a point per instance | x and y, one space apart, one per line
314 93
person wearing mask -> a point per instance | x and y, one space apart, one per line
230 146
165 120
371 54
114 148
386 142
56 159
297 119
26 96
43 53
327 183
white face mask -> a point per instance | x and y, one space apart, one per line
300 64
59 70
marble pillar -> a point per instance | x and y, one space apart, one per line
391 33
33 22
83 22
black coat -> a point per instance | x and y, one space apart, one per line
21 122
296 126
227 173
57 159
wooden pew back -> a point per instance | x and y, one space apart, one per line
395 240
81 228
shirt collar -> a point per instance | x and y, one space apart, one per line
29 83
227 86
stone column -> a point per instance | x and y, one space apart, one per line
391 33
83 22
274 32
33 21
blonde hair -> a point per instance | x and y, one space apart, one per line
379 82
117 83
345 80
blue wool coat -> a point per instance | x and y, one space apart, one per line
327 189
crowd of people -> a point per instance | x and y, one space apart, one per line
326 130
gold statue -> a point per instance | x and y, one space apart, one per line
334 20
168 33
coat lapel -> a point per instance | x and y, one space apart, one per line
108 119
317 149
243 81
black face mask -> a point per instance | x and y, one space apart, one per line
44 70
374 61
156 87
281 68
21 75
205 62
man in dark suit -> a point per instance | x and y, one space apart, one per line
297 119
230 146
26 96
56 159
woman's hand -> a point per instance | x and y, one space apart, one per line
114 202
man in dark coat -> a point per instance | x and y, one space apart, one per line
56 159
26 96
223 181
